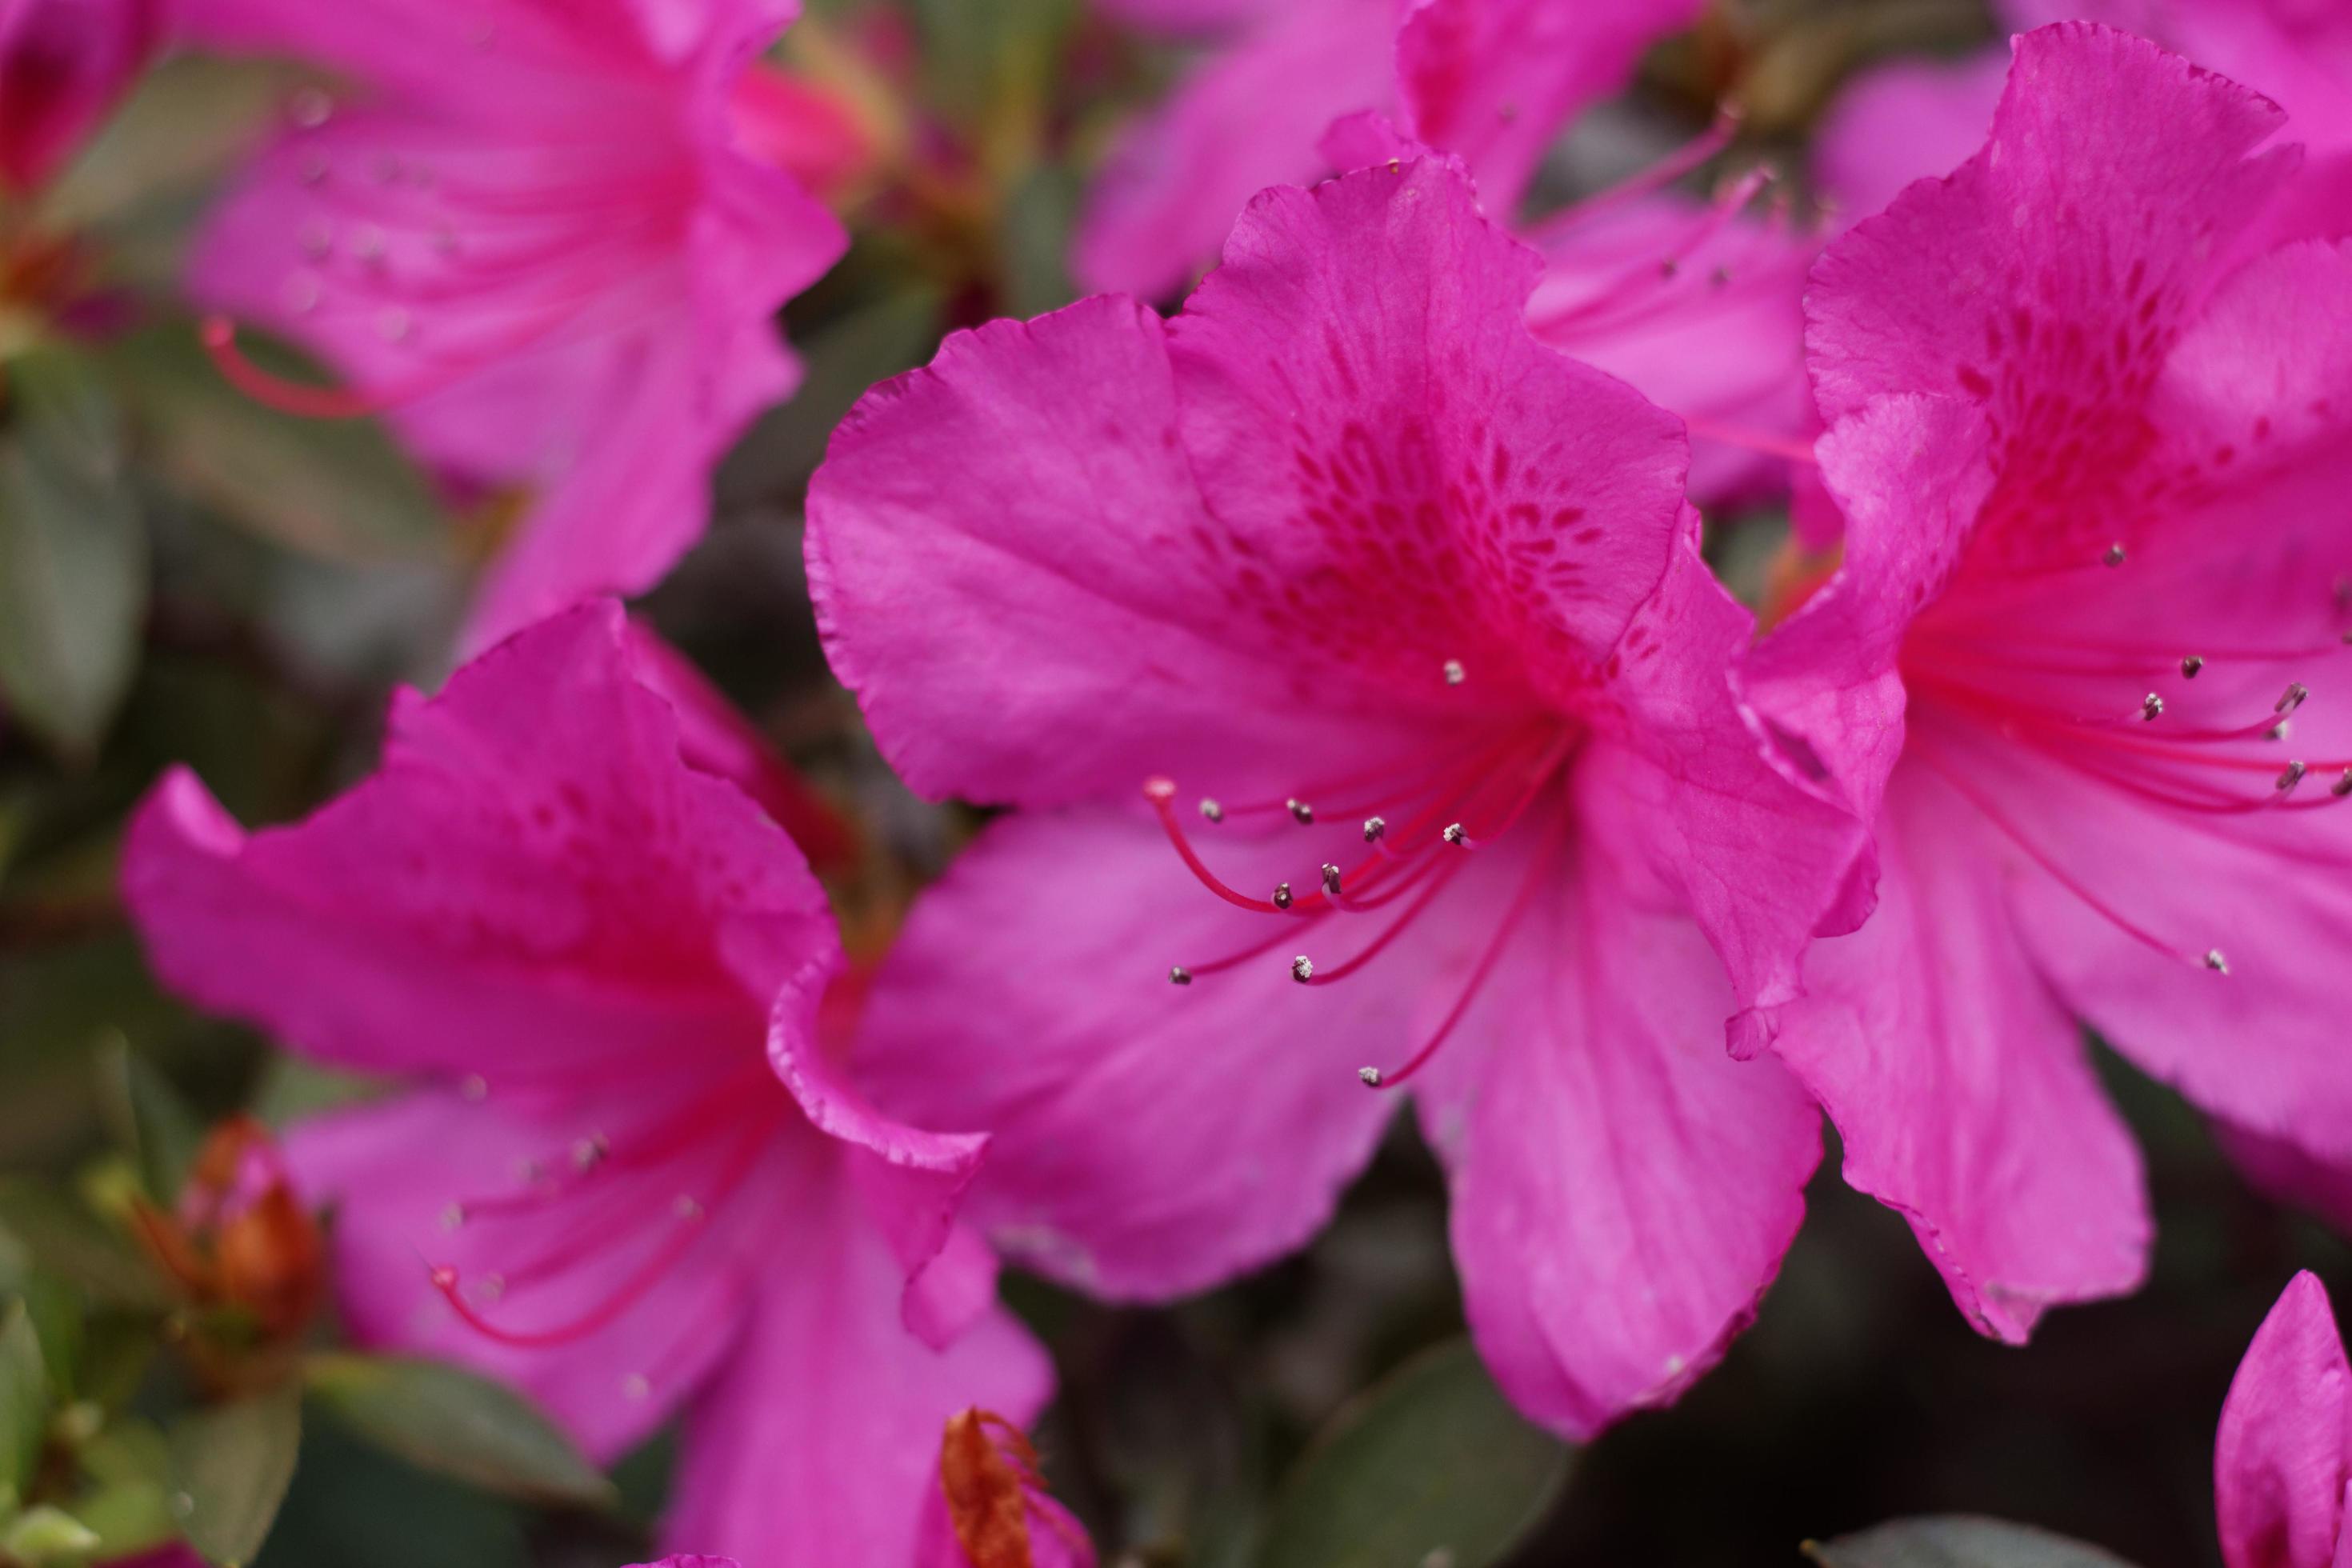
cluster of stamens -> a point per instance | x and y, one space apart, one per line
2153 756
1435 815
662 1187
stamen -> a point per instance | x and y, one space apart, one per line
1539 866
2151 706
1178 975
1210 810
2215 962
1375 829
2115 555
2342 786
1300 812
1454 834
2292 698
1455 674
2290 778
2191 666
1302 968
1331 874
1282 895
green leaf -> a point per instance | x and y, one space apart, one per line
70 1242
230 1468
1432 1461
1957 1540
73 555
162 1132
439 1417
336 490
44 1534
25 1397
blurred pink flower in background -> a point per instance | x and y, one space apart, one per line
599 963
1491 80
63 64
1343 519
2091 434
527 231
2282 1460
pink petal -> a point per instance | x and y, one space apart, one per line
1718 336
1911 120
393 1174
1146 1139
719 739
2134 155
692 1560
1910 475
1494 80
2296 53
1625 1190
533 878
1714 827
820 1442
2281 1456
1247 118
1958 1081
913 1181
1032 607
1359 363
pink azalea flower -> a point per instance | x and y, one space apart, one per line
2090 435
1396 592
1490 81
638 1178
63 64
528 232
2283 1461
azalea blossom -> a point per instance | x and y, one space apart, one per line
527 231
63 64
2090 436
1490 81
1350 657
2283 1461
624 1172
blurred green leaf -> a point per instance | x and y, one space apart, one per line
163 1132
1957 1541
186 120
439 1417
339 490
43 1535
128 1465
1032 237
354 1506
230 1468
1430 1462
73 555
25 1397
56 1310
69 1241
